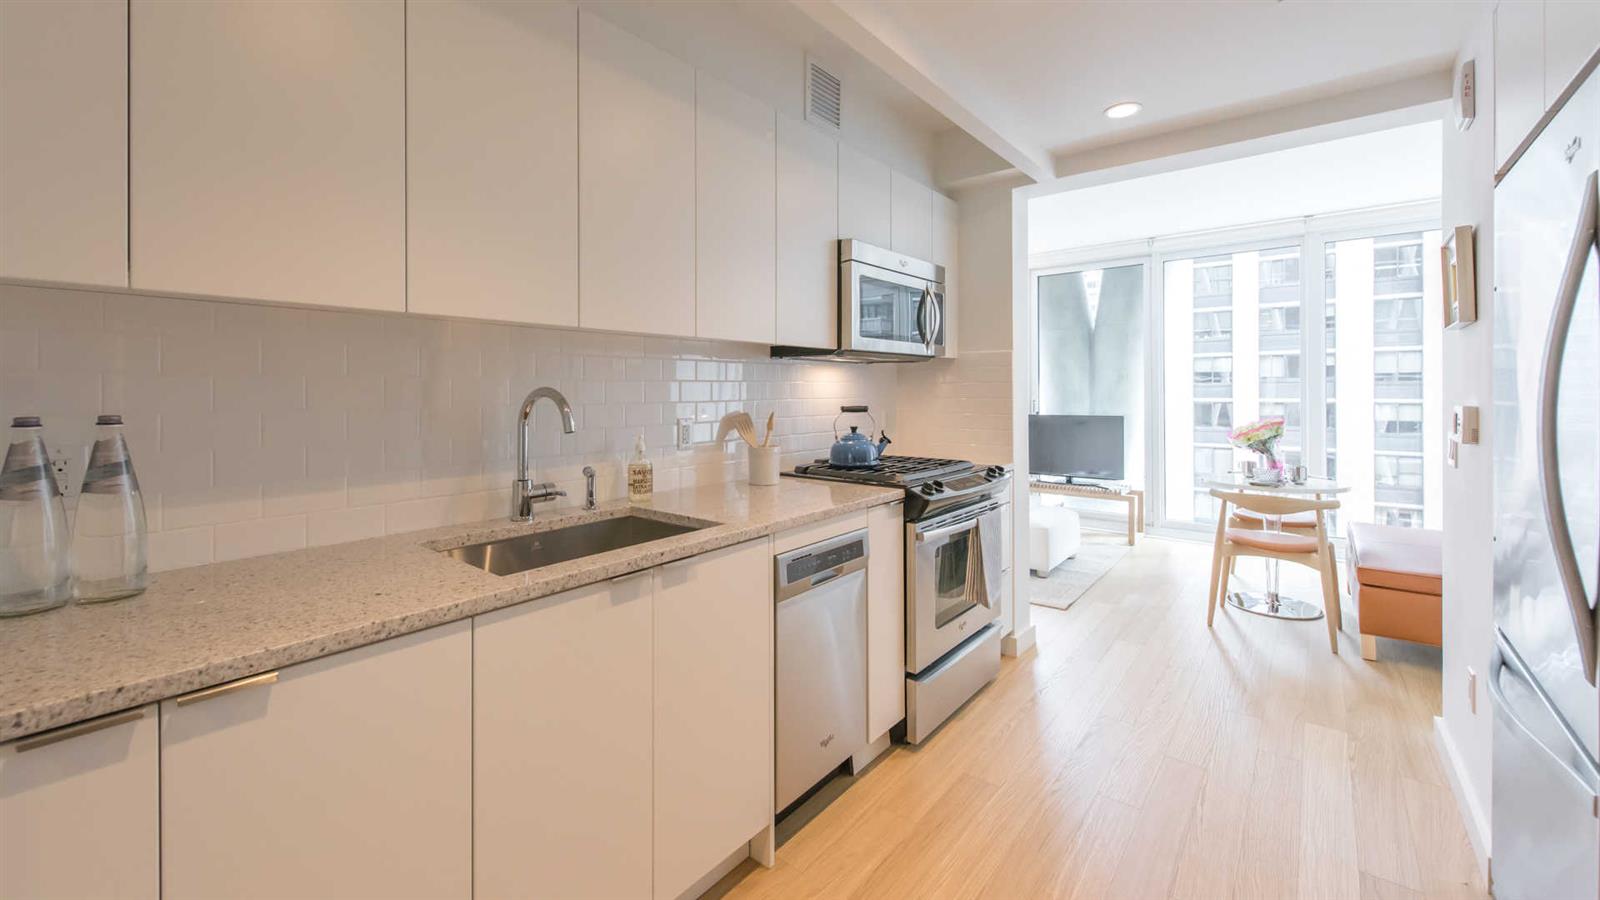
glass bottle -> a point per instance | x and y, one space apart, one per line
641 474
110 540
35 562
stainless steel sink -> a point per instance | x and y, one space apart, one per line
509 556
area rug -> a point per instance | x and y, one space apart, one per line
1073 578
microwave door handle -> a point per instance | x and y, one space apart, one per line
924 311
1555 511
1503 659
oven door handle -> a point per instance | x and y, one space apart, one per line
946 531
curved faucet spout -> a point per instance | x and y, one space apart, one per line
522 493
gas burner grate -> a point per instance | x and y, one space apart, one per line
889 470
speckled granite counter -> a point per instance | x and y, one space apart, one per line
203 626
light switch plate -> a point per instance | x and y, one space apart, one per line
1464 424
1472 690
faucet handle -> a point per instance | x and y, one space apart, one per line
589 501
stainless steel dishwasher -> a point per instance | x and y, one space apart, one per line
821 626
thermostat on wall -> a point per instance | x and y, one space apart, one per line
1466 95
1464 425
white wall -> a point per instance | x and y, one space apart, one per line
1397 165
1468 199
257 429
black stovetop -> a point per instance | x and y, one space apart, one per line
903 471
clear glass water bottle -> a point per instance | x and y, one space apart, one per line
35 567
111 544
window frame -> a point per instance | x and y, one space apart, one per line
1314 235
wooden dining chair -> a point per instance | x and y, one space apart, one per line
1294 546
1301 522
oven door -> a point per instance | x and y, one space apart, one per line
942 608
885 311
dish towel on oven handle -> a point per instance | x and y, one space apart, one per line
983 562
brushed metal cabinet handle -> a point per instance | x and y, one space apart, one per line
69 732
230 687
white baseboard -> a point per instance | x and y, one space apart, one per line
1472 813
1016 644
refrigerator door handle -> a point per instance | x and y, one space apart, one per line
1555 512
1506 659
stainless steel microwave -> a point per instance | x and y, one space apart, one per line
891 308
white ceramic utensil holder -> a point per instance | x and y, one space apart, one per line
764 464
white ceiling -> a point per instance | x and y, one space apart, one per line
1038 74
1400 165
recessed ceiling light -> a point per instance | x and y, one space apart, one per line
1123 110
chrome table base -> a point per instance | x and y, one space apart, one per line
1274 605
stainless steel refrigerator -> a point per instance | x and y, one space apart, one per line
1546 444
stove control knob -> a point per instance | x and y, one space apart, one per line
929 489
938 485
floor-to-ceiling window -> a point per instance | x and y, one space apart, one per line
1244 325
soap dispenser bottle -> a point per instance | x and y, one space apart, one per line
35 567
641 475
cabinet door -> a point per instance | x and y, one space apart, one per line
911 217
64 141
886 619
492 160
267 152
713 710
350 776
945 251
808 236
1571 36
635 184
562 750
735 212
80 812
1518 74
865 211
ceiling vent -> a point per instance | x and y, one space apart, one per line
823 96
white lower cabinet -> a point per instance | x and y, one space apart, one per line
80 811
349 776
713 710
562 750
886 619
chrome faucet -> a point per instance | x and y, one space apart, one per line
523 492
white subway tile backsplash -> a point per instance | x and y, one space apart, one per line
257 429
258 537
336 526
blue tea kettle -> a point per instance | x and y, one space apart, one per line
855 450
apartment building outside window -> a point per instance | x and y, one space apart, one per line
1373 324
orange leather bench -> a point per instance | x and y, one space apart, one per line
1396 579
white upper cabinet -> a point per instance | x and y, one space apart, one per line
713 710
636 184
945 251
735 212
80 811
1518 74
1571 36
267 151
492 160
561 744
911 217
64 141
865 207
808 236
886 619
349 777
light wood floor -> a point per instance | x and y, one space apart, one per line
1135 754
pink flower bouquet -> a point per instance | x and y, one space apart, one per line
1262 436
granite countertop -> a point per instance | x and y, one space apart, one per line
198 627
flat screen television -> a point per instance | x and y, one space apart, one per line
1075 447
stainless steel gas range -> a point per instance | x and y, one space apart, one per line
954 513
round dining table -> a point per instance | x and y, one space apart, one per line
1271 602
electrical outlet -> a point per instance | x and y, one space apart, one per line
685 433
1472 690
63 467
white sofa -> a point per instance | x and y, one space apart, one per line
1054 535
